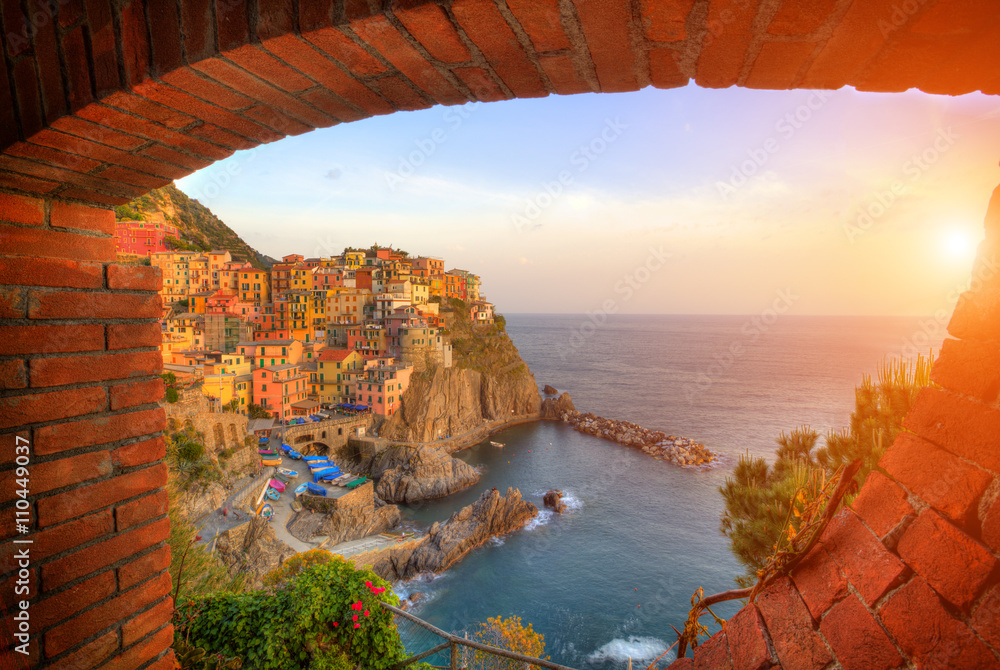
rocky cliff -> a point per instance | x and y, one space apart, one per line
253 549
426 472
446 543
488 382
349 517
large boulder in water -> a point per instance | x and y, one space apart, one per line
553 499
550 390
555 408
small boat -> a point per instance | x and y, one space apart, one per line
300 489
319 465
288 473
330 477
315 489
357 482
285 448
266 452
323 474
266 511
314 458
272 494
275 484
349 480
271 461
497 444
294 455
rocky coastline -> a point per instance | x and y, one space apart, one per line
661 446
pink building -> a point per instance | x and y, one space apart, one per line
142 238
382 388
276 388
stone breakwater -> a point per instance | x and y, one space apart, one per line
678 450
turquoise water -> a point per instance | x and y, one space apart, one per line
607 579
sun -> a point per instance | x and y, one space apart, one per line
959 244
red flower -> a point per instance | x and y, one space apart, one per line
335 624
355 617
366 612
357 625
368 584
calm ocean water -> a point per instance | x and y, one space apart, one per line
606 580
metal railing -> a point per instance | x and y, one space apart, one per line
453 642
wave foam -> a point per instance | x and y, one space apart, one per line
636 648
544 516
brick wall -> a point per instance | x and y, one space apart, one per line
79 362
104 100
195 80
909 576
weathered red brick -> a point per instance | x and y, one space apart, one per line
13 375
954 564
39 407
54 156
947 483
23 182
977 315
177 99
430 25
74 533
795 17
95 197
140 511
65 604
724 48
135 43
790 627
93 132
66 305
198 29
146 622
855 40
134 335
136 393
46 52
10 599
90 559
963 427
144 567
230 75
969 368
563 75
277 121
778 64
20 209
139 116
607 27
45 243
333 105
991 525
162 153
42 339
91 654
927 634
665 22
986 617
713 654
76 369
316 65
486 27
857 639
29 101
270 69
865 561
66 635
51 272
232 24
881 504
67 215
135 277
52 475
663 70
13 302
481 83
47 171
138 655
400 94
339 46
139 453
748 640
130 176
274 17
105 58
166 38
100 152
63 436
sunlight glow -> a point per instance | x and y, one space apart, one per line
959 245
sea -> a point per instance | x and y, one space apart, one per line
609 580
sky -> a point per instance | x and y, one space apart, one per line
681 201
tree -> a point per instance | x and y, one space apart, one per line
257 412
509 634
760 499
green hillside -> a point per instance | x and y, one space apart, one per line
200 229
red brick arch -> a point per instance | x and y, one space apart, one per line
104 100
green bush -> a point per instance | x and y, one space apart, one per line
171 395
326 617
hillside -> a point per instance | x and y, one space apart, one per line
200 229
